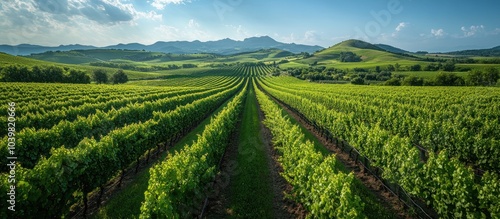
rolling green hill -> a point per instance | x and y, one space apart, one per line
145 58
263 55
95 55
145 64
6 59
370 54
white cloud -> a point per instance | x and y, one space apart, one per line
472 30
160 4
438 32
193 24
401 26
70 21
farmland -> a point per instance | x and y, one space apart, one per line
242 136
87 135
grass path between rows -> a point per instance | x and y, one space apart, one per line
250 189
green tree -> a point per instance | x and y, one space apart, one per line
100 76
474 78
77 77
119 77
358 81
413 81
448 79
416 67
449 66
391 68
349 57
491 76
393 82
54 74
397 66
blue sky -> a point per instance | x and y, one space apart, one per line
413 25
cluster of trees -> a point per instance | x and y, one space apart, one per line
462 60
43 74
134 67
219 65
487 77
317 73
360 76
349 57
441 66
189 65
373 76
250 64
141 57
100 77
56 74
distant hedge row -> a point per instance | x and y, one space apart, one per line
50 74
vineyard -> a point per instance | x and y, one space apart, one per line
435 148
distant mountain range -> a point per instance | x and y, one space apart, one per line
222 47
495 51
492 52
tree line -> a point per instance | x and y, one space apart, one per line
44 74
487 77
134 67
476 77
56 74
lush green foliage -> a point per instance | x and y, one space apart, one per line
317 183
37 143
119 77
100 76
18 73
58 181
176 186
460 125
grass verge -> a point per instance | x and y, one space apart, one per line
250 190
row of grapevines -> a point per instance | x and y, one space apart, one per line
252 71
44 104
206 81
472 140
21 92
32 144
200 79
317 183
444 182
176 185
51 118
57 182
25 93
